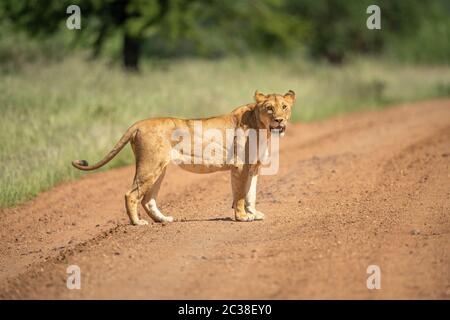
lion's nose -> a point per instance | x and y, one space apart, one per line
279 120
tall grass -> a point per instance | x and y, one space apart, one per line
55 112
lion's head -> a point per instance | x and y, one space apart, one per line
274 110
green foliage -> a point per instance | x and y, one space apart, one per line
428 42
409 27
329 29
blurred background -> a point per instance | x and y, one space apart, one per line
70 94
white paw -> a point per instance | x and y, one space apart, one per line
259 215
168 219
161 218
141 222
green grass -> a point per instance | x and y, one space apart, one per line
53 113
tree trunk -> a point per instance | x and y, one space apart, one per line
130 53
99 41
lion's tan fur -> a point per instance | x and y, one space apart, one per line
152 144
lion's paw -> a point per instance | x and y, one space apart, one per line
163 219
141 222
167 219
259 215
246 217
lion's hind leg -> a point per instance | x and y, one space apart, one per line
144 183
132 199
149 201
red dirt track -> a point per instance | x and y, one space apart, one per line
357 190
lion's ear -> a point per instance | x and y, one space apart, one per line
290 96
259 97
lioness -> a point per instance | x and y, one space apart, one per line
153 146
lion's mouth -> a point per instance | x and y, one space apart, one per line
280 129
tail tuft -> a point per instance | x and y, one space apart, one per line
80 163
83 163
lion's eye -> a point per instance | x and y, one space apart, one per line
285 107
270 109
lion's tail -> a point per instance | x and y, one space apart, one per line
84 165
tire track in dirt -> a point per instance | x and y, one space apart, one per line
414 190
339 203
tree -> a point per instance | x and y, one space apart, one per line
208 27
100 19
330 29
338 28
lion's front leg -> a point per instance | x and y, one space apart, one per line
240 184
250 199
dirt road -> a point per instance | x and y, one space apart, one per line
363 189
